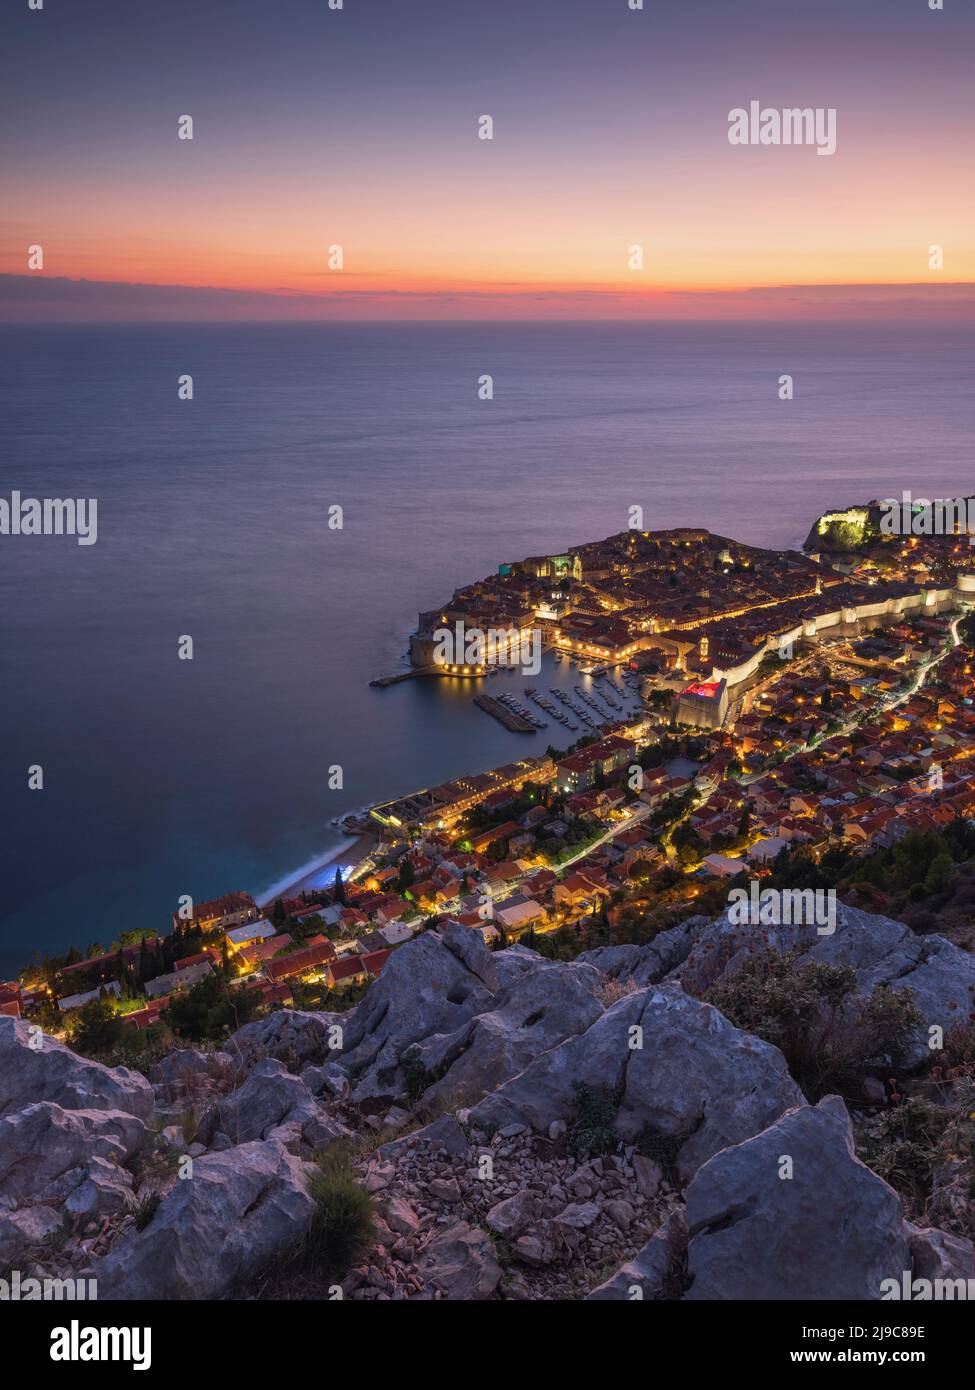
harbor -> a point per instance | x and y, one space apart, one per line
517 723
462 672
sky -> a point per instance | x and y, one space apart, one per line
315 127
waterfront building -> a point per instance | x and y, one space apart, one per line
232 910
249 933
703 705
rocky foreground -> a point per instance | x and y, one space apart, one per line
527 1130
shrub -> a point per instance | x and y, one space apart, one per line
96 1028
807 1009
416 1078
591 1128
209 1009
146 1210
958 1055
925 1147
341 1229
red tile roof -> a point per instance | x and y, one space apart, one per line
129 954
299 961
265 950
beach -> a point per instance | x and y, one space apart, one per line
322 874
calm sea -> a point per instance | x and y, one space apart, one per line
164 777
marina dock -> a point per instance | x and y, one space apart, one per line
504 716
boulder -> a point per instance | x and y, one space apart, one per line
698 1083
424 989
469 946
46 1151
545 1090
106 1191
328 1080
833 1230
52 1072
288 1035
939 1254
215 1230
694 1084
24 1230
458 1265
652 1270
539 1010
270 1098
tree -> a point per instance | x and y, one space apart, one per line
206 1010
338 891
641 868
938 872
96 1027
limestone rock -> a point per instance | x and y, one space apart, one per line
460 1264
106 1191
220 1228
23 1230
424 989
646 1276
537 1012
468 945
939 1255
287 1035
510 1217
833 1230
45 1150
695 1081
52 1072
268 1099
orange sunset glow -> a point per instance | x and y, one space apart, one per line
284 164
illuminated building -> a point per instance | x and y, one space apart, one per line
703 705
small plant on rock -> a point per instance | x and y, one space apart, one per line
341 1229
591 1128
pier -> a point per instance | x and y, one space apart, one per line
507 717
460 672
